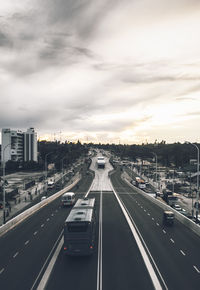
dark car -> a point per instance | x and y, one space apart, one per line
168 218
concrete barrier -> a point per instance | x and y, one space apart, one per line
21 217
180 217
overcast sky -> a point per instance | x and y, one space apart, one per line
101 70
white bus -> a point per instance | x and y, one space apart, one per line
79 229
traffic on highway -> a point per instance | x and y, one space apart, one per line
133 242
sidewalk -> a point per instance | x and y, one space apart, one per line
26 197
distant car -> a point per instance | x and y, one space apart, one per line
43 198
177 207
133 182
168 218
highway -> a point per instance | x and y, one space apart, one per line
132 248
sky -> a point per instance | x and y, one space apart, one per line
109 71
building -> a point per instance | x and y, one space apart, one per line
19 146
30 145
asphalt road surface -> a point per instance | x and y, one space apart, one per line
132 248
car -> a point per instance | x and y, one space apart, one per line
177 207
168 218
43 198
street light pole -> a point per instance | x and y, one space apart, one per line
62 168
156 157
46 169
4 193
197 197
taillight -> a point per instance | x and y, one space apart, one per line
91 247
65 248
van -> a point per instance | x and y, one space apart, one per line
68 198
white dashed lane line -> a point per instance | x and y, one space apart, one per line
164 231
15 255
47 219
182 253
52 214
172 241
152 219
196 269
35 233
148 213
1 270
26 243
42 225
157 224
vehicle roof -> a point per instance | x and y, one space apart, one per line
80 215
168 212
84 203
68 193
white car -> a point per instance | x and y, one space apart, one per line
43 198
177 207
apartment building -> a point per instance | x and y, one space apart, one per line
18 145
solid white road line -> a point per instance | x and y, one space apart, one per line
99 265
47 273
140 242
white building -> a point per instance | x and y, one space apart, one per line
18 145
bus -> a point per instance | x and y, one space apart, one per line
79 228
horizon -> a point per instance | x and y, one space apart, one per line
101 71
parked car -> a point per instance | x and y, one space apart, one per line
177 207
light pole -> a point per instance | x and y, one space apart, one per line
4 193
156 157
197 197
62 168
46 169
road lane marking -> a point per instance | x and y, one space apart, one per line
182 253
148 213
42 225
35 233
47 219
49 269
152 219
1 270
164 231
99 265
142 247
172 241
157 224
52 214
15 255
26 243
145 210
196 269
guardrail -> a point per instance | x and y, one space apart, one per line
21 217
180 217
